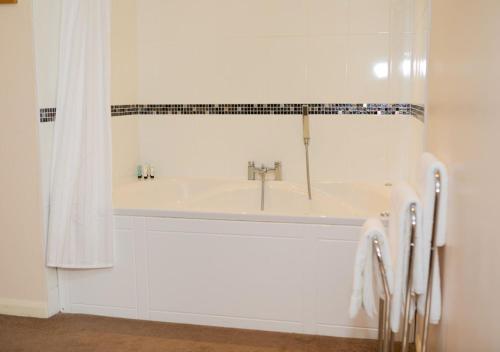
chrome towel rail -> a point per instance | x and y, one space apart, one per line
409 279
385 334
384 329
432 263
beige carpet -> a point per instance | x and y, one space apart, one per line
78 333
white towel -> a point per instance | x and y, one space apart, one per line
366 269
402 198
428 167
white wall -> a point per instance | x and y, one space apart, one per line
420 50
342 148
124 75
225 51
464 131
23 288
46 14
277 51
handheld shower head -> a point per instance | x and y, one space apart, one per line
307 137
305 124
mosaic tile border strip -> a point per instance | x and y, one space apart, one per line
274 109
418 111
48 114
124 110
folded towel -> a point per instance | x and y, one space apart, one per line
366 269
428 167
402 198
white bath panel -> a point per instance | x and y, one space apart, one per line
237 276
242 274
333 257
113 288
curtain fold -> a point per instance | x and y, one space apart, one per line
80 216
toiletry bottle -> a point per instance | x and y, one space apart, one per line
151 171
145 174
139 171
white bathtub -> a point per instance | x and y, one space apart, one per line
200 251
333 203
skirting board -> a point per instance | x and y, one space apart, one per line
23 308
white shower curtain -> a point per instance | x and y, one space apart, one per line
80 220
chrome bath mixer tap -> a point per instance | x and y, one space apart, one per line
262 172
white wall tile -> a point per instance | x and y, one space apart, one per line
174 19
402 161
368 68
327 68
328 17
421 27
265 50
402 16
285 70
241 70
177 71
401 74
232 70
343 148
369 16
277 17
236 51
223 18
125 143
124 68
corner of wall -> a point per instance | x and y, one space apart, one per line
22 273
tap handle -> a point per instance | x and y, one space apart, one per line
251 170
277 171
